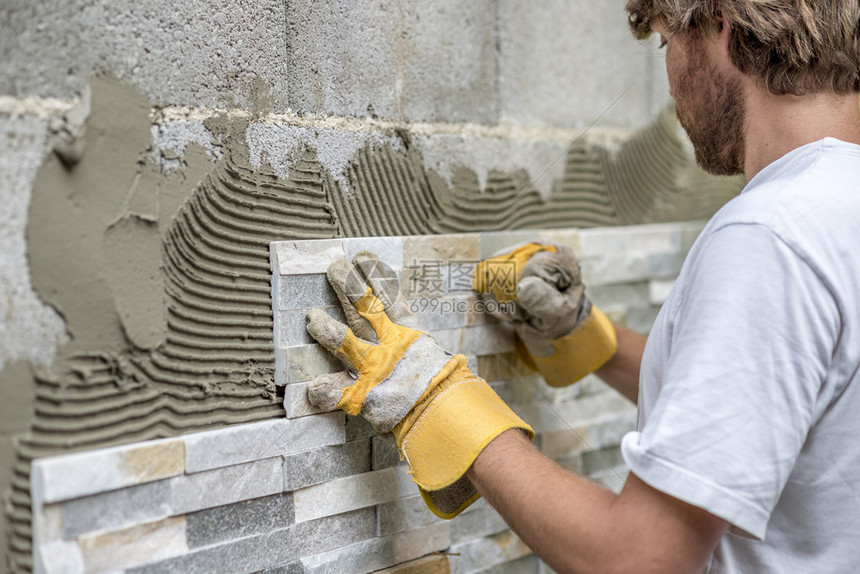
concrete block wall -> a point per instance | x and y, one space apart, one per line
149 154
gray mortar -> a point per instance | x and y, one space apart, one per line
542 160
281 145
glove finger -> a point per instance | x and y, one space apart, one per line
559 269
338 339
505 311
385 284
349 287
325 391
550 311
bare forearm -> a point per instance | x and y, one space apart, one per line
621 372
577 526
557 513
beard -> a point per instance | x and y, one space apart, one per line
710 107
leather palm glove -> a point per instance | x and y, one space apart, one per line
441 414
560 333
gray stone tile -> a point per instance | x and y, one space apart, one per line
305 291
595 461
304 257
493 243
407 514
273 549
245 443
385 453
291 324
524 565
238 520
359 558
115 509
388 249
227 485
345 494
441 313
74 475
296 402
133 546
304 363
328 463
487 552
357 427
477 521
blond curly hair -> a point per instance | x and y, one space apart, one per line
793 46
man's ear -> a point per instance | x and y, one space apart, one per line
724 32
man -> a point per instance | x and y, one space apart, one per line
745 458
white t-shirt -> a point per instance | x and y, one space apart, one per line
749 401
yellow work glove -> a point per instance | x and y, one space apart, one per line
442 416
559 332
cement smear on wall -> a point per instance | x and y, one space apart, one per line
163 277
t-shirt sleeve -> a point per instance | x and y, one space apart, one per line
752 335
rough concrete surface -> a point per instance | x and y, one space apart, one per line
554 67
423 61
29 329
203 53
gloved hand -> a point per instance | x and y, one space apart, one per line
560 333
442 416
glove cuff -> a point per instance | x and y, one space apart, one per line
582 351
440 443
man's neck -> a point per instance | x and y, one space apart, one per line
776 125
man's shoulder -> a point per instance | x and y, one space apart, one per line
805 196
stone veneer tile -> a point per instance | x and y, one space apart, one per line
246 443
412 544
328 463
58 557
449 312
133 546
358 427
407 514
303 363
272 549
443 248
115 509
389 249
304 292
493 243
304 257
428 565
74 475
384 453
572 413
296 403
486 552
569 237
371 555
226 485
238 520
345 494
477 521
405 485
525 565
597 435
609 241
359 558
291 325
